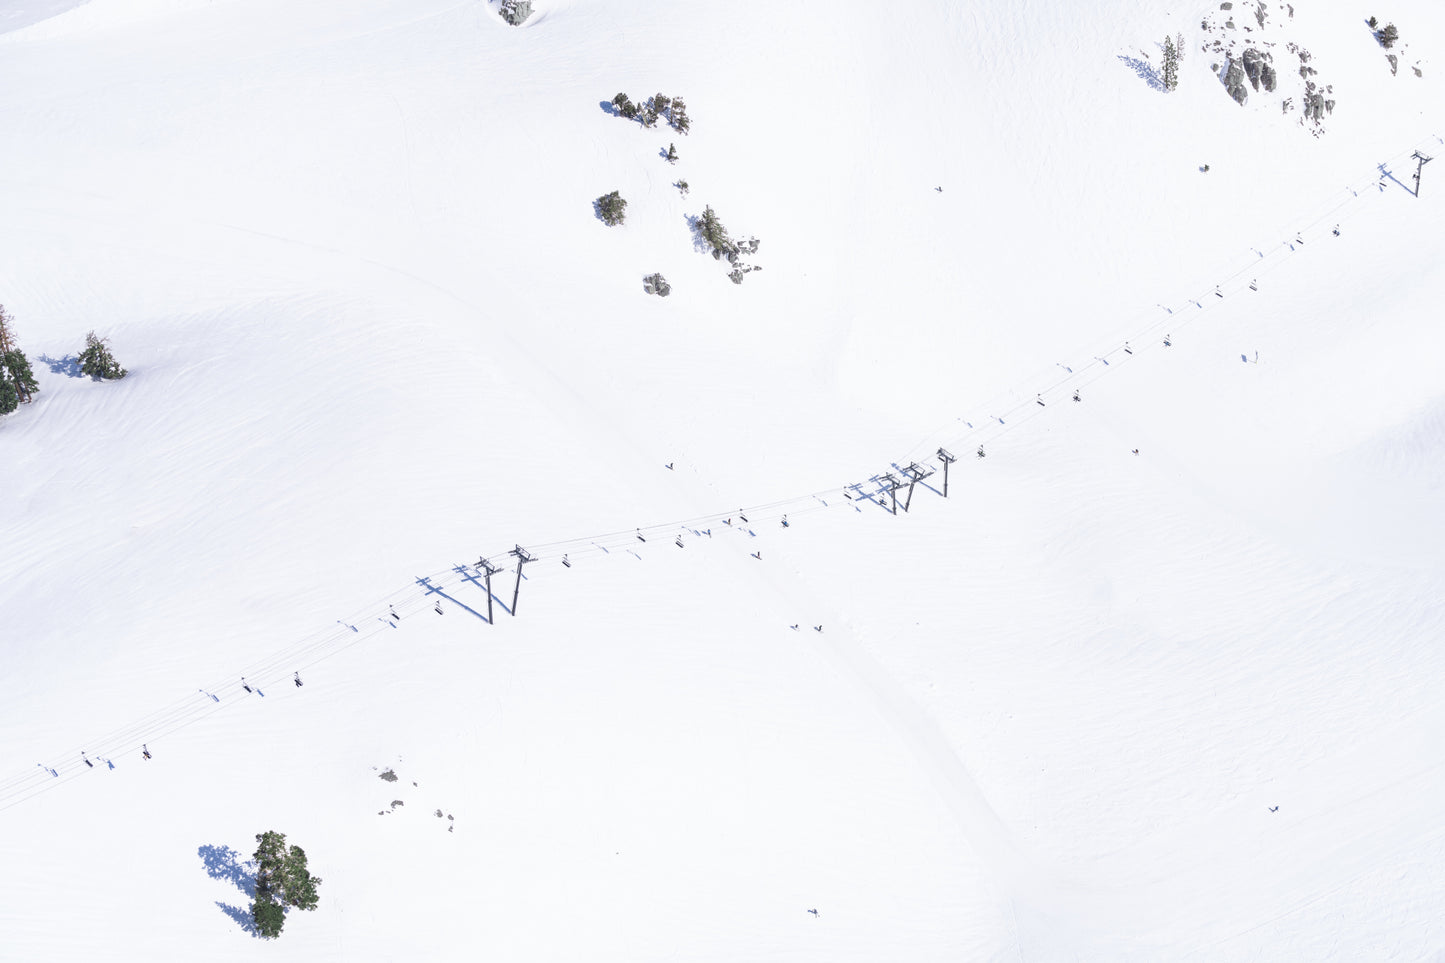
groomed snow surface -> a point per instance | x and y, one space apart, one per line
1179 704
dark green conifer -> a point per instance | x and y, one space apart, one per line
14 368
282 879
97 361
611 208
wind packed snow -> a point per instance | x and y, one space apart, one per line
1158 680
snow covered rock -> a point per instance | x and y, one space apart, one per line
516 11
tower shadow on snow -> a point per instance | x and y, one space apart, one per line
438 591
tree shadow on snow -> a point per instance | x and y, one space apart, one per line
241 916
694 227
1145 70
68 365
224 863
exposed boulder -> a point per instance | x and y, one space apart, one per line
516 11
1234 82
1252 61
656 284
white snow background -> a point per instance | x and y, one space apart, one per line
375 332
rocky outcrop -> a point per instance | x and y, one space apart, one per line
1234 78
516 11
656 284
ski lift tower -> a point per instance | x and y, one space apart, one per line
1420 161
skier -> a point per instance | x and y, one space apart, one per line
244 685
813 911
785 521
144 751
87 761
1076 396
298 680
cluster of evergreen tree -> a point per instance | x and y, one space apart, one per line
282 880
710 230
671 109
17 381
1387 36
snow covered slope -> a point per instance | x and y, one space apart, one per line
375 331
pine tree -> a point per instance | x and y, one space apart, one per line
611 208
268 916
677 116
625 106
300 884
713 233
14 367
1389 35
282 879
1171 64
672 153
97 361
